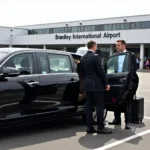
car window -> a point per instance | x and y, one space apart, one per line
59 63
22 62
118 64
43 64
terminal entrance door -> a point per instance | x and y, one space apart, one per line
104 52
136 51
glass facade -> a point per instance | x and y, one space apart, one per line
90 28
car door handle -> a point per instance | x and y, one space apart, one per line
33 83
123 79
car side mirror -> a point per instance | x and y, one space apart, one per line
11 72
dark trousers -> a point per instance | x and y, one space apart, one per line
117 114
138 65
94 98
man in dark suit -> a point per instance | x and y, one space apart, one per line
120 66
95 83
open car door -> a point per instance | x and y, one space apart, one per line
119 73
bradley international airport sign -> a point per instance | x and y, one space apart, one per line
88 36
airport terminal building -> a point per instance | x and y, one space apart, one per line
69 36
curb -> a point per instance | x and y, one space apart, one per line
144 71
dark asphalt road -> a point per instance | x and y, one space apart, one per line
71 135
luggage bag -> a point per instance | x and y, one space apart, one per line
137 109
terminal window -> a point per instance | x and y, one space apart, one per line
132 25
69 29
118 26
145 25
108 27
74 29
89 28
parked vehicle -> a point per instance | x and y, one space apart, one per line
40 85
81 51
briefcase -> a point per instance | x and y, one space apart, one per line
137 109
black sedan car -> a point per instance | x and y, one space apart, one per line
39 85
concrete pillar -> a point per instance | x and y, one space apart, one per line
11 34
65 48
44 46
142 56
10 45
111 50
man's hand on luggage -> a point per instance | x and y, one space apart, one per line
107 87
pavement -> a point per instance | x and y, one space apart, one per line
143 70
70 134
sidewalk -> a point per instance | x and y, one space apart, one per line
147 71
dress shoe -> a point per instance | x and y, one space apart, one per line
127 127
91 131
115 122
103 131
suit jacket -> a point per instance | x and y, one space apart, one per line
95 78
132 83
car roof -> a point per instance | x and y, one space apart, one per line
12 50
83 48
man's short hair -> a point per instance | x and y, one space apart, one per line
90 44
123 42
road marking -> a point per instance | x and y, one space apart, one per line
146 117
123 140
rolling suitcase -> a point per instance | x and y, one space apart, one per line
137 109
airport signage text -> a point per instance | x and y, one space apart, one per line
88 36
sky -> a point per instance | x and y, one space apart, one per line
28 12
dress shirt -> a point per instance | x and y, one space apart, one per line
91 51
121 61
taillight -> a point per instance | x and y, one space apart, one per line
113 100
